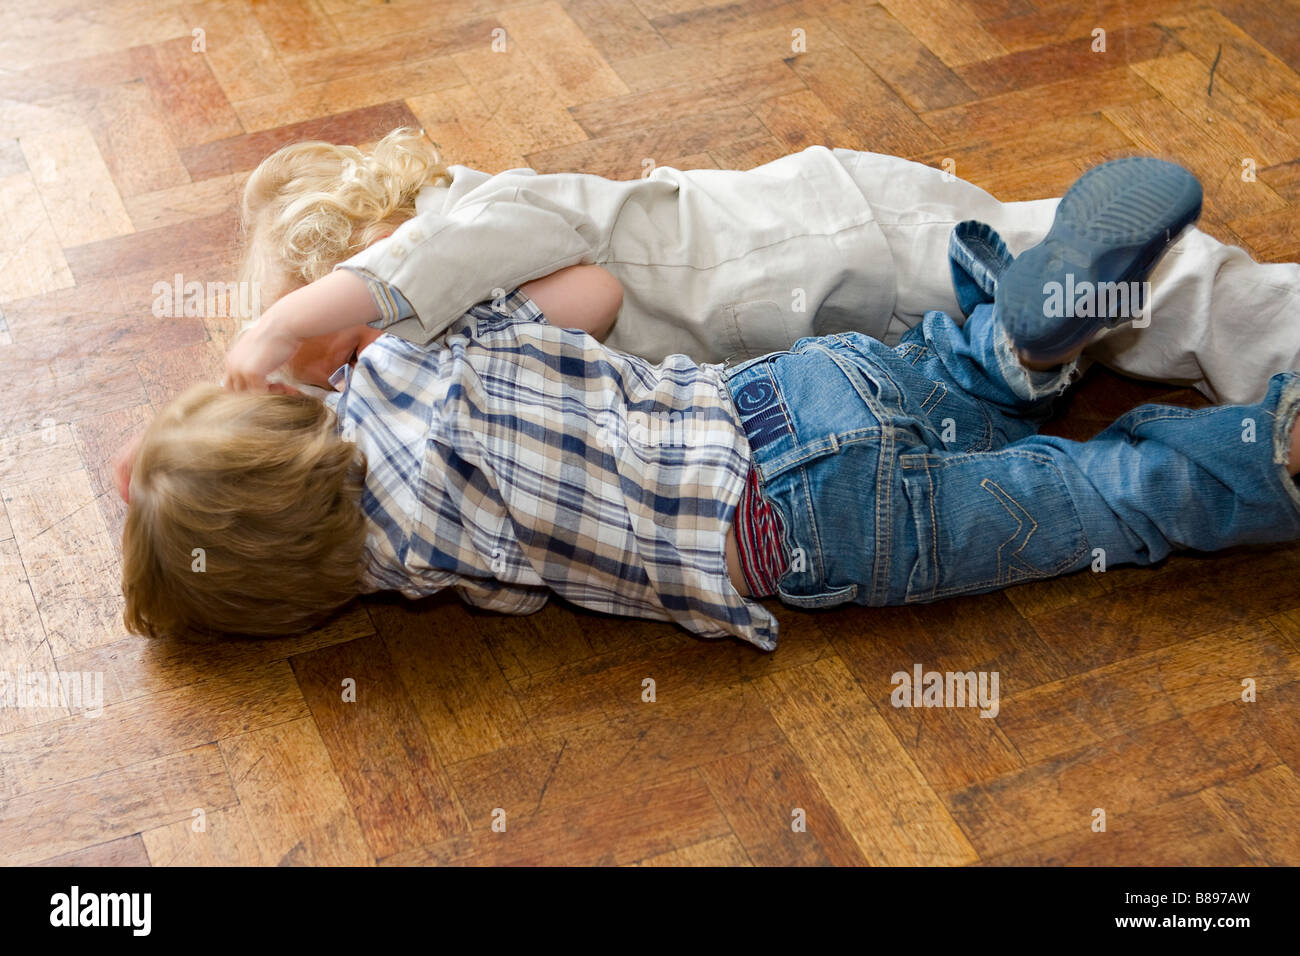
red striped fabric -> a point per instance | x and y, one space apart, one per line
758 536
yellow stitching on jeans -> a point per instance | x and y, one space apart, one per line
985 483
939 387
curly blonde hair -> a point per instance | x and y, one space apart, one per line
309 206
244 517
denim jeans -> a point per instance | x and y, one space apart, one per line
914 473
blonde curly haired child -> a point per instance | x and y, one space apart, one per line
722 265
311 205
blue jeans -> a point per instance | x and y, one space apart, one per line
914 473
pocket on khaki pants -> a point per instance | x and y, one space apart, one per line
763 326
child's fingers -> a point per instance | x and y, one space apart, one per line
247 366
240 378
239 382
247 383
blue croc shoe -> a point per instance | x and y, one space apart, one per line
1111 229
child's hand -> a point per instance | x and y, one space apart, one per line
257 353
330 304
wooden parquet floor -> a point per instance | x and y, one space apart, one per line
122 151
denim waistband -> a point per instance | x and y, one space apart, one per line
774 443
762 411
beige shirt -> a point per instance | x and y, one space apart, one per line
716 264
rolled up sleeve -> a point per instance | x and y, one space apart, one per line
392 305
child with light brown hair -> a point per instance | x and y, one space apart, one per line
245 516
246 511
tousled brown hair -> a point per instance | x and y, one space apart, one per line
244 517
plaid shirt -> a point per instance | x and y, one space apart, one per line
517 458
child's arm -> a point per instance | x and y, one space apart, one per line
331 303
586 298
580 297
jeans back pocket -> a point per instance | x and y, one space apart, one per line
986 521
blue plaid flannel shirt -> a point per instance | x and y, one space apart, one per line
516 458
